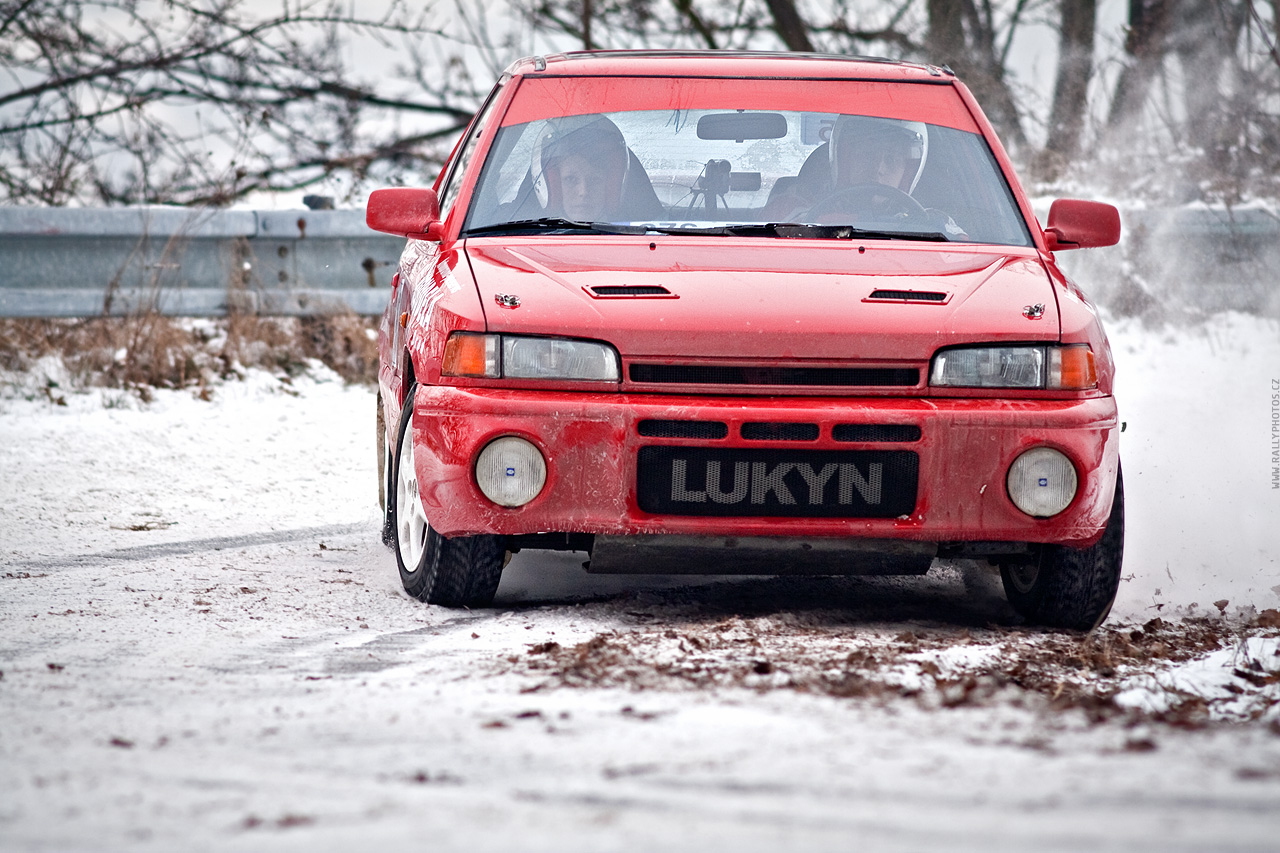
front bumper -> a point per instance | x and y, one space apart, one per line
592 442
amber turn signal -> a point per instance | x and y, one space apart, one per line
1072 368
470 355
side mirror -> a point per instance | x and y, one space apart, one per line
405 211
1076 224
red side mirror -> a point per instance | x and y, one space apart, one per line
1076 224
406 211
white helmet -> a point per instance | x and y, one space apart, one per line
853 134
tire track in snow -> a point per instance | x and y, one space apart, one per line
189 546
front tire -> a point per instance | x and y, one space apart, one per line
462 571
1071 588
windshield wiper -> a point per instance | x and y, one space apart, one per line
877 234
794 230
692 231
553 223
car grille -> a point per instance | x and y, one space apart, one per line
654 428
780 432
875 432
845 377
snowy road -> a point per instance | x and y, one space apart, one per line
203 646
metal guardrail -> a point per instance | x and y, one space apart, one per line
63 262
60 262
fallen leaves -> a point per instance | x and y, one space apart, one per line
1268 618
286 821
939 668
145 525
424 777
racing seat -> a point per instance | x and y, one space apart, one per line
804 189
639 199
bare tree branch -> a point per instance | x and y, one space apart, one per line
117 101
789 26
685 7
14 14
1071 85
1272 50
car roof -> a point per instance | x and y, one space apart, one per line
727 63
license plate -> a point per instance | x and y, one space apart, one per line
793 483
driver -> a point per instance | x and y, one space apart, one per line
863 153
867 150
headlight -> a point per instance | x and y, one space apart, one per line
1053 367
558 358
517 357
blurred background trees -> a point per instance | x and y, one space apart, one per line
207 101
211 101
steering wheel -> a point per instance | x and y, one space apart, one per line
880 201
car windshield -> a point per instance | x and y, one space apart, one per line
744 171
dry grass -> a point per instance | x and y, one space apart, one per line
344 342
148 350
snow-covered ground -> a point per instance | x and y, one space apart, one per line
1200 458
203 645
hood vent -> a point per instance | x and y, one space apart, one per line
908 296
629 291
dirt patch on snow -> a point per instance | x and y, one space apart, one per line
934 665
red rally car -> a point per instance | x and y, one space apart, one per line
738 312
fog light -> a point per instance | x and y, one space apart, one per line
510 471
1042 482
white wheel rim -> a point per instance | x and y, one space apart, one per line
411 521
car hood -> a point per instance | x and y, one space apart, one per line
748 298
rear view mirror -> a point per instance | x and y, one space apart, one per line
742 126
405 211
1076 224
